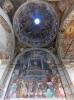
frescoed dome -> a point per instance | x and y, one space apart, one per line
35 23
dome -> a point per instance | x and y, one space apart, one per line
35 23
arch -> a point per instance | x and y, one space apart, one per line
36 75
66 44
7 44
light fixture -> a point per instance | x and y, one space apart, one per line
37 21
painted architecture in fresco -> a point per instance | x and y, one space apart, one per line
35 76
37 49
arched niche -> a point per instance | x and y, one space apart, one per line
34 72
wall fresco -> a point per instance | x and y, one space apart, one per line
34 77
66 38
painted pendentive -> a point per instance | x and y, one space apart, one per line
66 37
